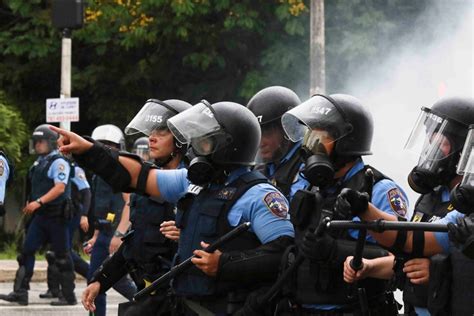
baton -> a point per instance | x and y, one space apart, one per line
186 264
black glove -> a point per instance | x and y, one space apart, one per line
2 209
318 248
462 199
351 203
459 233
462 234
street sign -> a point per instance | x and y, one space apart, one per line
62 110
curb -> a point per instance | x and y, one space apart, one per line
8 270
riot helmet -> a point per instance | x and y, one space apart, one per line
334 130
222 136
269 105
462 195
154 115
43 133
141 148
110 135
152 119
438 138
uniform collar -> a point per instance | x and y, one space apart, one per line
271 166
234 174
52 153
358 166
291 152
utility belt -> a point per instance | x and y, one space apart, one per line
383 304
226 304
63 209
106 223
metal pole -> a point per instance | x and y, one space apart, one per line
66 71
317 48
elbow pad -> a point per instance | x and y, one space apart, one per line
246 266
111 271
104 162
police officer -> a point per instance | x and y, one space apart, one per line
216 193
49 204
81 198
146 253
5 176
336 131
141 147
107 206
440 133
280 157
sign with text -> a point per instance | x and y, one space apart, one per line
62 110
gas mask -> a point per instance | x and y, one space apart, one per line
198 128
462 196
319 169
436 140
432 172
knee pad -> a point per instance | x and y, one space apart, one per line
50 257
64 263
21 259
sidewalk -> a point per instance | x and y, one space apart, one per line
8 269
41 307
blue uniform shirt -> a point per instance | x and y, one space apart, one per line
443 238
4 174
257 205
299 183
59 169
80 180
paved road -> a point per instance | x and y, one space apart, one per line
41 307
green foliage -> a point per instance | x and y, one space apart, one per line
130 50
13 130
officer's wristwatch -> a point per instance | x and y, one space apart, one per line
118 234
38 200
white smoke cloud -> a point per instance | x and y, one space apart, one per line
436 60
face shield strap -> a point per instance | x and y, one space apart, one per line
336 105
163 104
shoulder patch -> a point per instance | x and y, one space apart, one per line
82 176
61 176
276 203
2 167
61 167
397 203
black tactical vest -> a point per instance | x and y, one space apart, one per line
285 174
41 184
203 217
148 247
318 283
428 208
105 201
462 288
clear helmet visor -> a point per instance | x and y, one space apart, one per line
316 113
143 151
466 162
44 146
153 115
199 128
318 141
432 138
